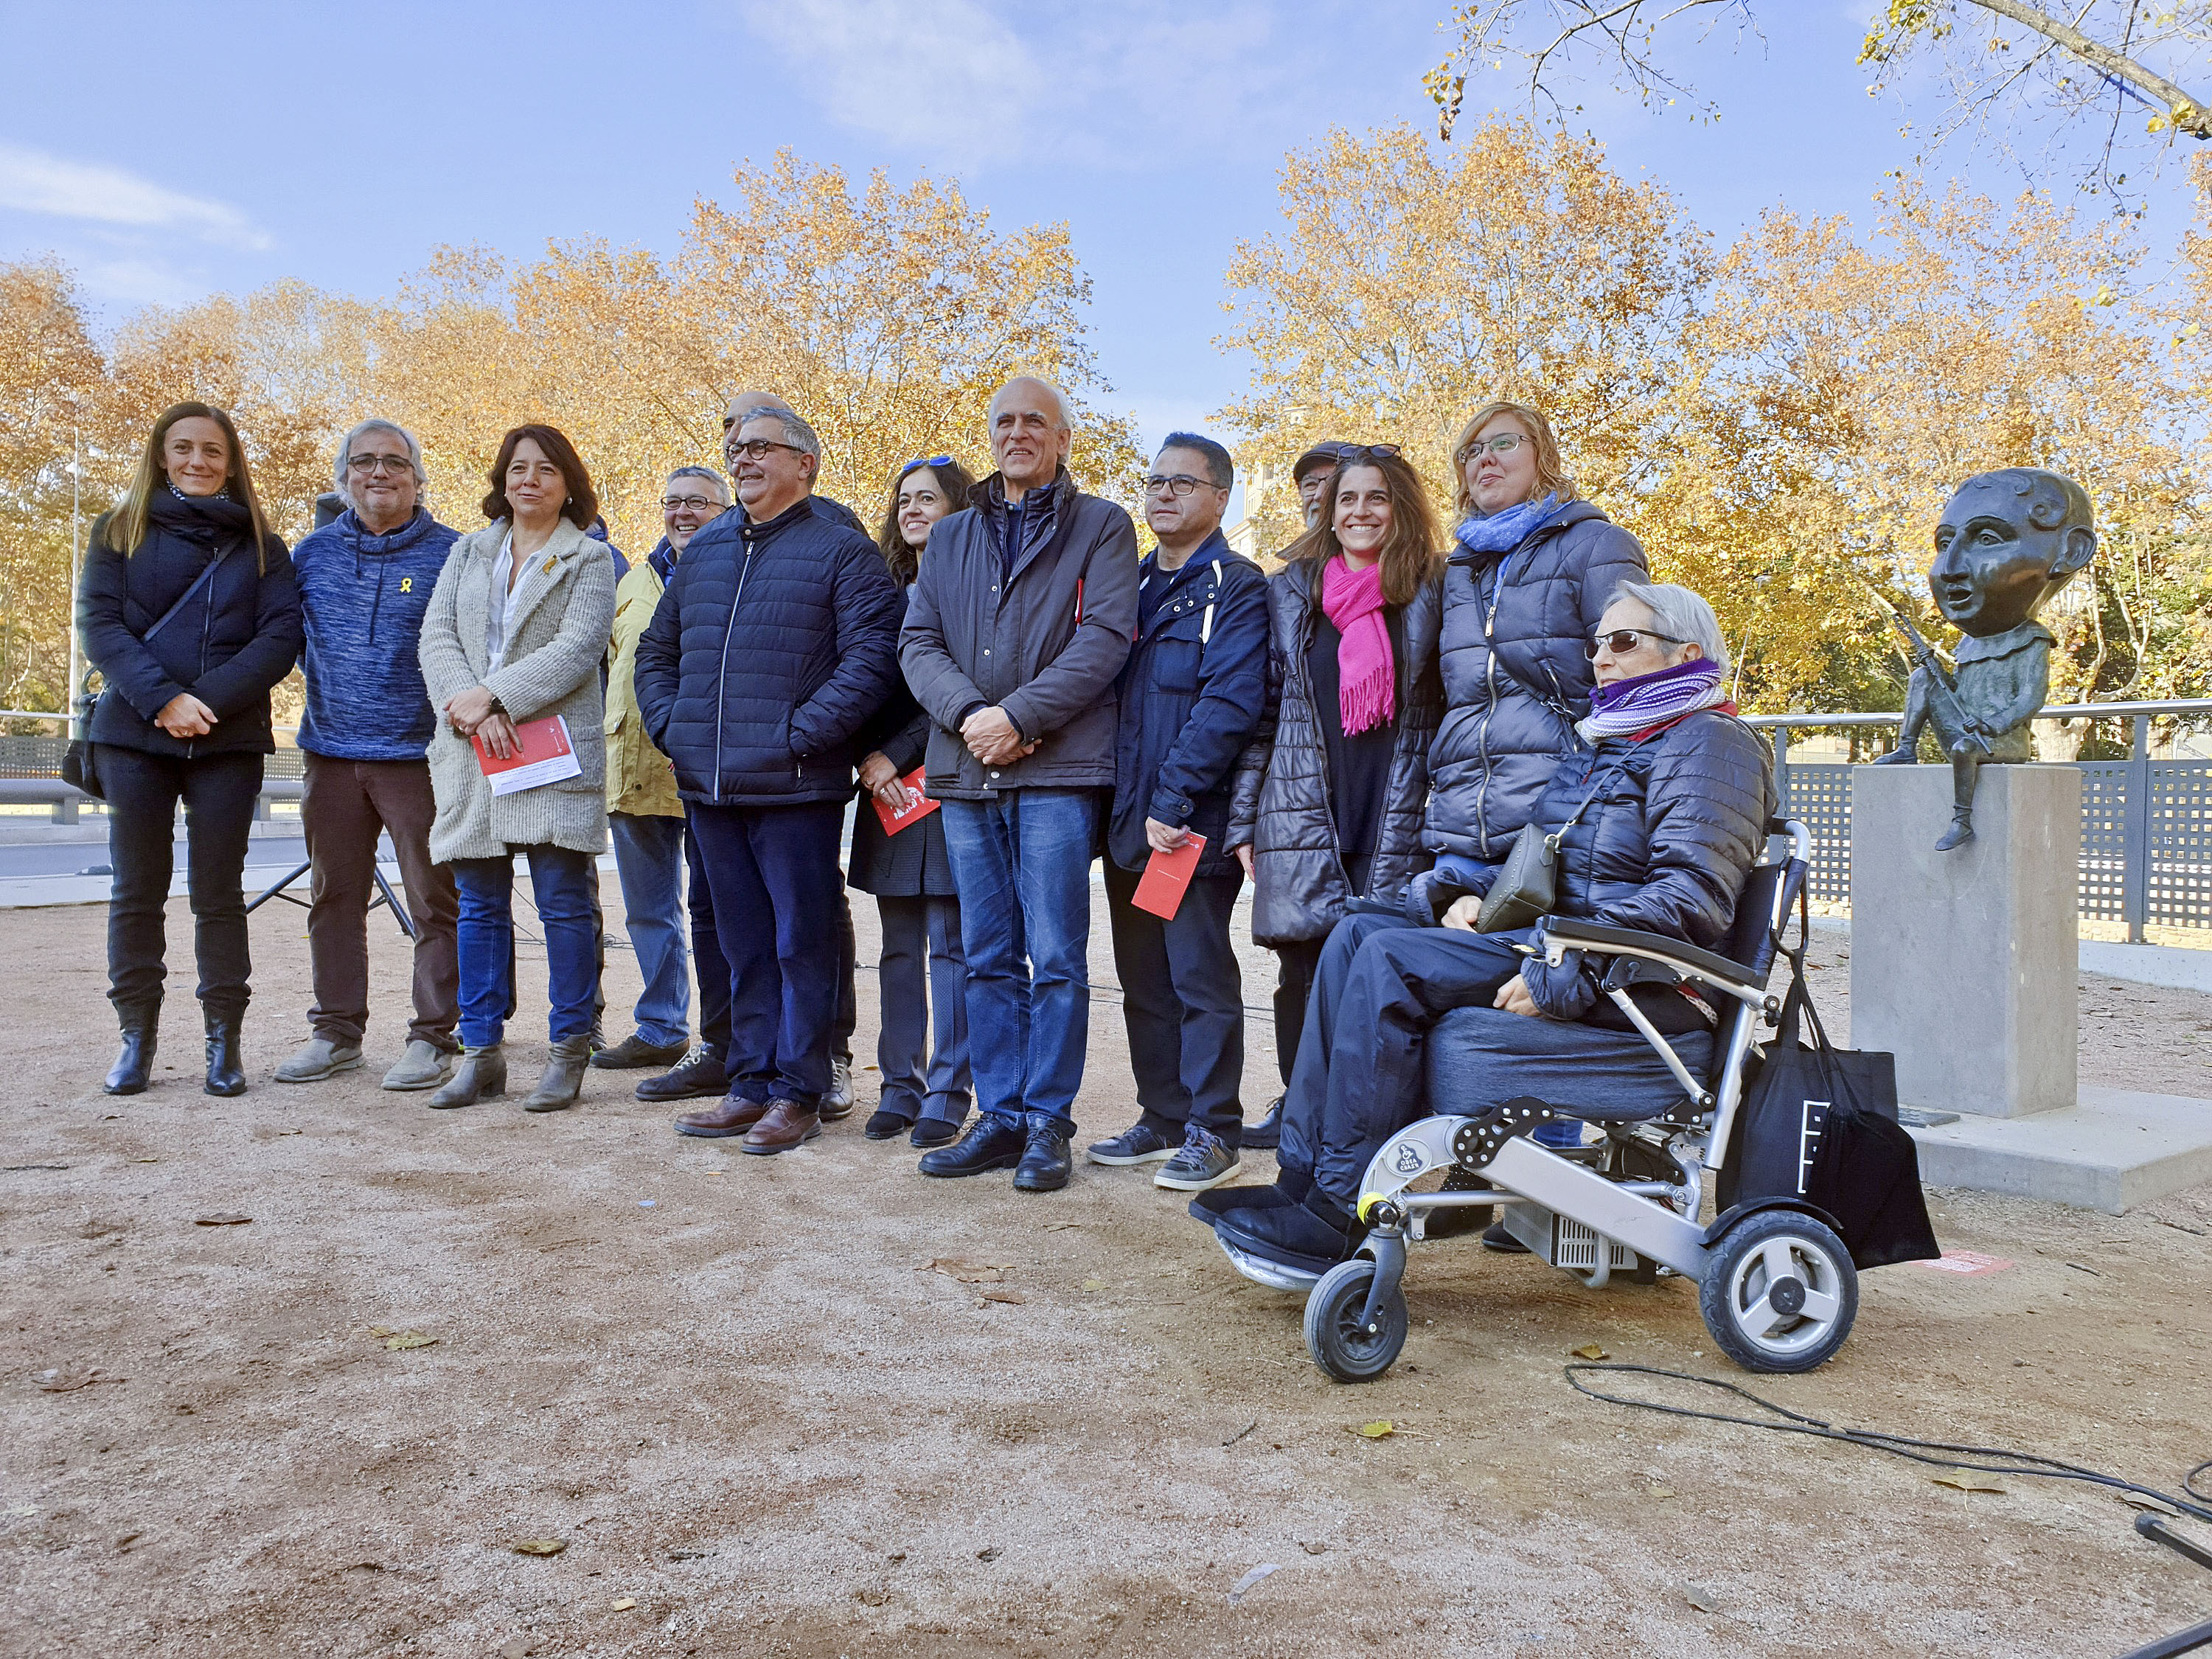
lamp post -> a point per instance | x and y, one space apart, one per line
77 544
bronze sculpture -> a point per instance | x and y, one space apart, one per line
2006 542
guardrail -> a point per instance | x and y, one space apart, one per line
2146 823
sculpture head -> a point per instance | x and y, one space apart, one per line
2006 542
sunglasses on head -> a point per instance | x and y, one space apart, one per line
931 460
1622 641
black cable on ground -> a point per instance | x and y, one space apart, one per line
1936 1452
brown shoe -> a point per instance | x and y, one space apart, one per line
731 1115
786 1124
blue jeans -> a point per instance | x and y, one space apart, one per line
561 884
1023 865
649 858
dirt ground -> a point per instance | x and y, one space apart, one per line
761 1428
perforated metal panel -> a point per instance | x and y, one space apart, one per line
1820 798
2104 840
2180 875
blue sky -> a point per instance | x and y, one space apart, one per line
167 152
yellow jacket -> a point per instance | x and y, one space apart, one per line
640 780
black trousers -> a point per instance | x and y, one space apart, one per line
1296 965
1183 998
218 792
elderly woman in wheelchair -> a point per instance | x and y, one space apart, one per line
1438 1038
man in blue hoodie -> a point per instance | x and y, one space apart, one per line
365 582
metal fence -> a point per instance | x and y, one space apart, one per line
2146 823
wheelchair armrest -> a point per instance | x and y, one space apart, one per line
1678 954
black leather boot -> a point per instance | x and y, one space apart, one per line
134 1067
225 1072
1046 1162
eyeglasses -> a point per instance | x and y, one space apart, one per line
1504 444
379 463
1622 641
1182 485
693 503
1347 456
932 460
757 449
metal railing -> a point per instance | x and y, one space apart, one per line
31 771
2146 823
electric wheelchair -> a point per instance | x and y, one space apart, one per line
1775 1285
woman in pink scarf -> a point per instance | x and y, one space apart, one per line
1330 800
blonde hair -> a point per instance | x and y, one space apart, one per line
125 529
1551 472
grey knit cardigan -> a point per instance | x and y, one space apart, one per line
564 606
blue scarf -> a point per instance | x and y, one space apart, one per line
1503 531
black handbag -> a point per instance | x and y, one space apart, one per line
81 760
1819 1123
1528 883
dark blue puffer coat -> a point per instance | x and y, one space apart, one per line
1665 844
1515 682
771 647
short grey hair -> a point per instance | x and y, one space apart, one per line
796 433
1679 611
1059 400
377 424
721 484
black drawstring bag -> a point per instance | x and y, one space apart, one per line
1819 1123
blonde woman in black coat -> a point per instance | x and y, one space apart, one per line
188 609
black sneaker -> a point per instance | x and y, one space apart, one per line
1495 1238
1137 1144
634 1054
1268 1133
1204 1160
698 1076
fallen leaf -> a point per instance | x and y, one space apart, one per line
968 1273
1662 1492
1061 1226
991 1553
1967 1483
1094 1284
624 1605
68 1379
383 1330
145 1160
1700 1598
1004 1296
1591 1351
410 1340
1251 1579
521 1648
221 1219
716 1172
1382 1429
539 1546
1314 1546
2135 1500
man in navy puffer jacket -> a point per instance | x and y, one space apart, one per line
775 640
365 582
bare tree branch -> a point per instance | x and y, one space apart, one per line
2186 115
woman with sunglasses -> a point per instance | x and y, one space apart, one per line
1328 802
1663 809
921 1047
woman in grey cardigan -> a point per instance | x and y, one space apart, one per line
516 629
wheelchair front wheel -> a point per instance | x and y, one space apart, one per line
1779 1293
1338 1343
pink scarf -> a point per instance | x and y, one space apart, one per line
1367 692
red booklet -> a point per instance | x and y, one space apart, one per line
918 805
1167 878
544 756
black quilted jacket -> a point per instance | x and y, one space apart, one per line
771 647
1280 804
1665 845
1514 684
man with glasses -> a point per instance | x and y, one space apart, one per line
1018 625
365 582
758 705
644 813
1190 695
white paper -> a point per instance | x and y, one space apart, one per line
533 775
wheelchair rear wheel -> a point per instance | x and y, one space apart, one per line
1338 1343
1780 1293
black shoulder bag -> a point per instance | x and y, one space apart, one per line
1528 883
1819 1123
80 764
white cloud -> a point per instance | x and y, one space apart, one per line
943 75
32 181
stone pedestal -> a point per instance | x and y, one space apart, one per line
1964 964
